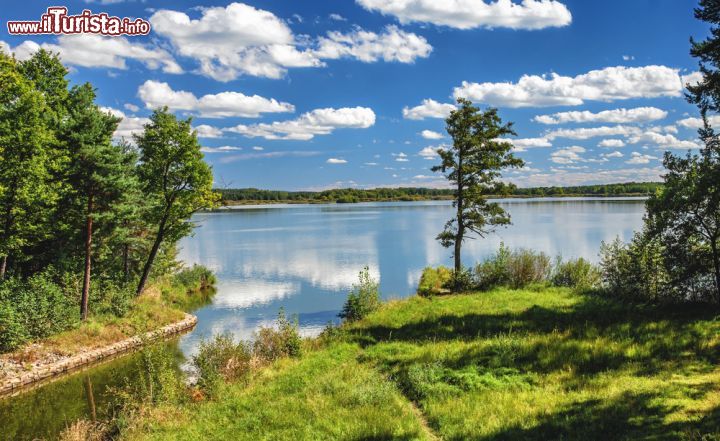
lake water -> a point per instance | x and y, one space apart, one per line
305 258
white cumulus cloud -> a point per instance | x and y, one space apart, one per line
608 84
316 122
469 14
621 116
639 158
225 104
428 109
569 155
336 161
611 143
429 134
393 44
88 50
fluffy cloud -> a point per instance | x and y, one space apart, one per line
316 122
88 50
223 149
469 14
240 39
428 109
569 155
609 84
392 45
430 152
623 116
697 123
234 40
225 104
429 134
206 131
336 161
611 143
522 144
400 157
129 125
663 140
638 158
594 132
615 154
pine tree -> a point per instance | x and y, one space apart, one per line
175 178
473 165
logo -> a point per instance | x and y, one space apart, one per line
56 21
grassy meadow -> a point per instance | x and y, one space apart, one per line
537 364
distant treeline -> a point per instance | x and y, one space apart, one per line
351 195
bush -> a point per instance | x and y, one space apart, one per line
282 340
636 272
577 273
494 271
33 309
221 359
196 278
363 299
516 269
435 281
12 332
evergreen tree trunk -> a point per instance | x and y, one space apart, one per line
88 260
460 229
716 262
153 253
3 267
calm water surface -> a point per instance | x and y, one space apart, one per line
304 258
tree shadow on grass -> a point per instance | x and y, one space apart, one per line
651 339
630 417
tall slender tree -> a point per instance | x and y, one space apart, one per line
24 160
474 165
176 179
98 169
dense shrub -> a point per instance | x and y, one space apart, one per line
221 359
577 273
34 308
516 269
196 278
281 340
435 281
363 299
636 272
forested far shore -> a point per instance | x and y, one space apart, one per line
352 195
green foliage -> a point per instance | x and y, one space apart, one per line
636 271
363 299
577 273
33 309
473 166
281 340
175 179
435 281
196 278
221 359
352 195
513 268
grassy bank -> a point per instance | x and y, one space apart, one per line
165 301
505 364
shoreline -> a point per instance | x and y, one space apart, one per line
43 373
230 204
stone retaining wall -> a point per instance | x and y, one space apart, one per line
67 365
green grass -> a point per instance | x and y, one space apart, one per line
531 364
326 395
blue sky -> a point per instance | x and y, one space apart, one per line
318 94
